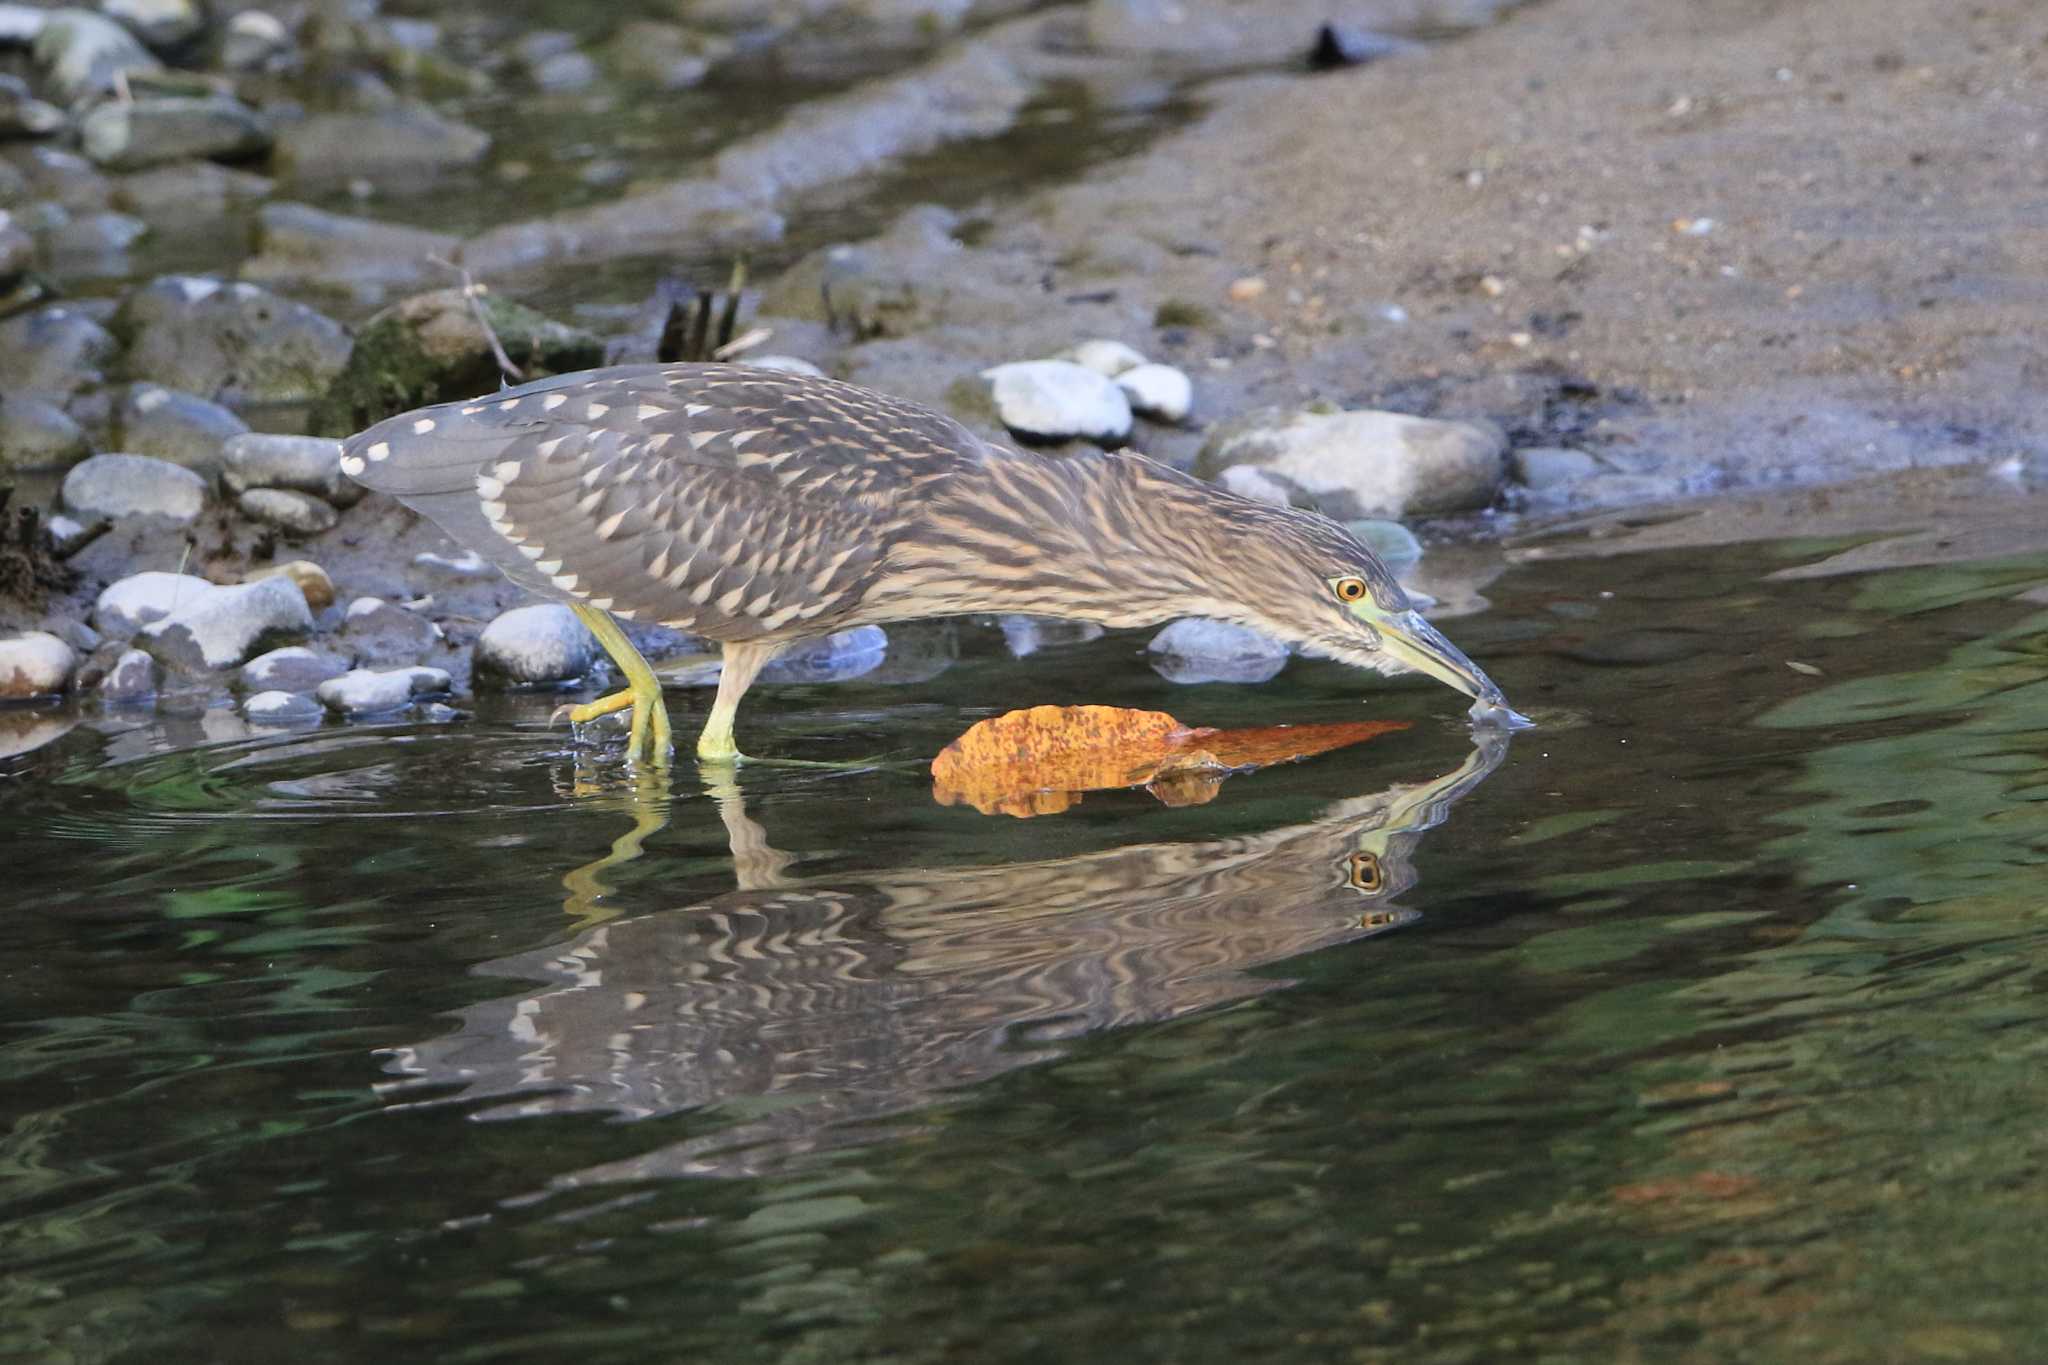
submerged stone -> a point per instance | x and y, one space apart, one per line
1198 650
367 692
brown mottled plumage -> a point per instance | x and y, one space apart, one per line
758 508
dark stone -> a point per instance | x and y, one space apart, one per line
429 349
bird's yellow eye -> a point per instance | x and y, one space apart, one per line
1349 589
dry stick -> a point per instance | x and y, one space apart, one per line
471 291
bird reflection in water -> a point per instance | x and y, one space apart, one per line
803 1008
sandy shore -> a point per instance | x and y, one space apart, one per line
1721 244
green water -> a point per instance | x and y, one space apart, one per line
1704 1022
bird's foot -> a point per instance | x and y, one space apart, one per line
650 736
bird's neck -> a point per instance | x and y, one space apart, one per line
1114 539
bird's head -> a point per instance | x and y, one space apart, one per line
1305 579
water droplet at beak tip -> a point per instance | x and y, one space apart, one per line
1492 711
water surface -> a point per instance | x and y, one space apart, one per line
1704 1022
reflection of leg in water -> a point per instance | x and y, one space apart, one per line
647 799
755 865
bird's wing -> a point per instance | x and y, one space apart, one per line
734 502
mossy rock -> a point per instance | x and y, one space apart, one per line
429 349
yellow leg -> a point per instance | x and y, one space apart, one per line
643 691
742 663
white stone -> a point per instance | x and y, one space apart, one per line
131 679
296 514
787 364
133 486
544 643
131 603
1106 357
36 664
293 668
222 628
368 691
1158 391
281 708
304 464
839 656
1026 635
1358 464
1198 650
1057 400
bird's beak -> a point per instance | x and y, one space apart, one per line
1416 643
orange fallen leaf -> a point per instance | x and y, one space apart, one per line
1038 761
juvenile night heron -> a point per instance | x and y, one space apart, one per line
760 508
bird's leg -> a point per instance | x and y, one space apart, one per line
643 690
743 662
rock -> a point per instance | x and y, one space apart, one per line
1057 400
1026 635
667 56
132 679
298 514
847 654
468 564
87 54
1106 357
293 668
77 634
65 179
552 62
1553 468
93 245
54 352
1619 490
1340 44
1357 463
1158 391
539 644
406 143
35 664
182 427
1394 543
66 533
255 41
164 128
366 692
22 114
129 604
305 464
381 632
21 24
299 244
163 25
119 486
313 581
429 348
190 195
235 343
282 708
37 434
222 628
786 364
17 250
1196 650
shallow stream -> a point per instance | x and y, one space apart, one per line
1704 1021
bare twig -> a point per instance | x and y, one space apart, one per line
473 292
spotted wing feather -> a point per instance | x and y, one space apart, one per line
738 503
